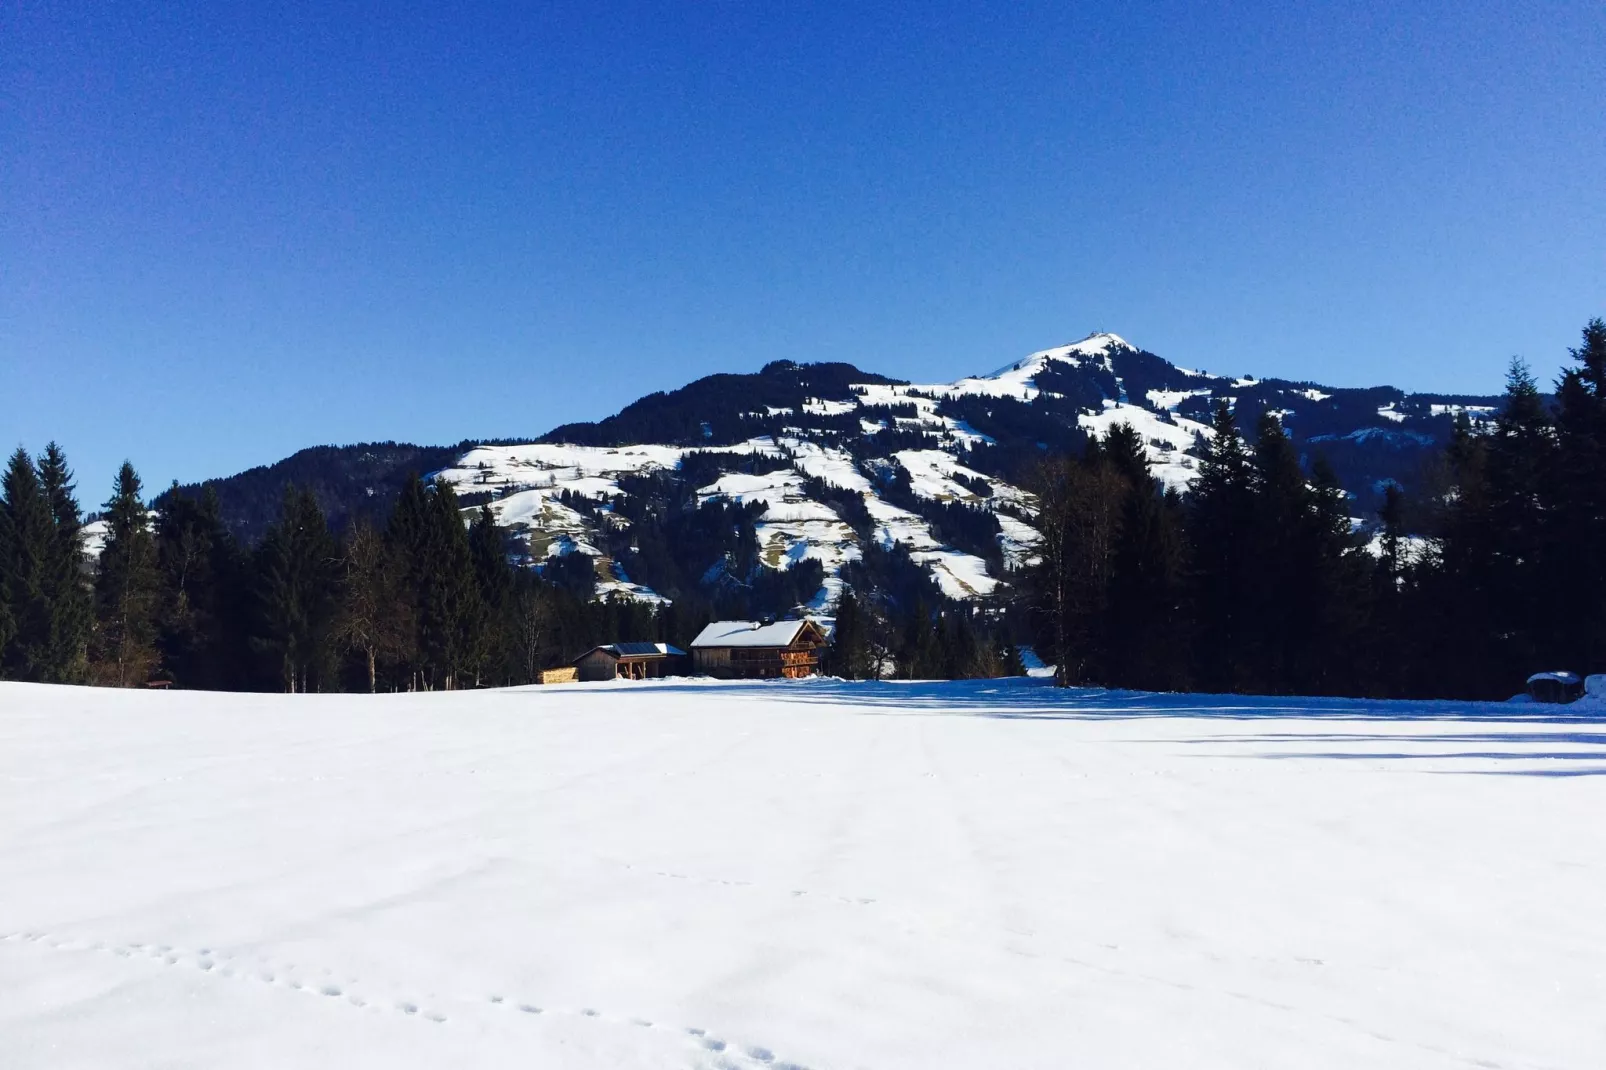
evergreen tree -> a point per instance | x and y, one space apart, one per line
297 569
920 657
1391 642
1148 610
1221 522
850 640
962 655
126 588
493 581
450 614
1576 563
199 632
1455 611
1279 602
67 588
1329 659
26 573
1520 469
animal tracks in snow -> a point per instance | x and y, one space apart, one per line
220 964
258 970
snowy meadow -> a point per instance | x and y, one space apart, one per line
819 874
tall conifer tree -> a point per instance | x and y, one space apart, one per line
72 608
26 571
297 574
126 588
1221 526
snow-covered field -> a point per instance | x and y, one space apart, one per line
816 875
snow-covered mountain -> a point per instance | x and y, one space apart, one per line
829 459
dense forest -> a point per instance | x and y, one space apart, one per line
1256 580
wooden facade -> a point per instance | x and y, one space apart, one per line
778 652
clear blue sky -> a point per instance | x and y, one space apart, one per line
228 231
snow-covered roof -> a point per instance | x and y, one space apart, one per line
749 633
637 650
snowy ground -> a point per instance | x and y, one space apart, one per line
820 875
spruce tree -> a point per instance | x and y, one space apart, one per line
450 614
1221 524
1281 602
72 608
1147 617
1456 615
1329 658
850 654
126 587
26 572
199 631
489 652
1578 532
1391 642
1521 467
297 567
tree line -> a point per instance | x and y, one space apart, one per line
425 603
1258 581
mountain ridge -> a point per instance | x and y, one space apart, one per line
826 463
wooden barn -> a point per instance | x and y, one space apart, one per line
629 661
750 649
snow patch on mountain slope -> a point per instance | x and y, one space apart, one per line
827 463
1164 441
793 527
530 478
1170 399
1019 541
1016 380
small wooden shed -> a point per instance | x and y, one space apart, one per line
629 661
751 649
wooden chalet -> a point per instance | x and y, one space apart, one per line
629 661
749 649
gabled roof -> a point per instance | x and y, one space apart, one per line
637 650
750 633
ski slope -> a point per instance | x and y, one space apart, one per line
821 875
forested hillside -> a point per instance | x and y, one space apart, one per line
1168 529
